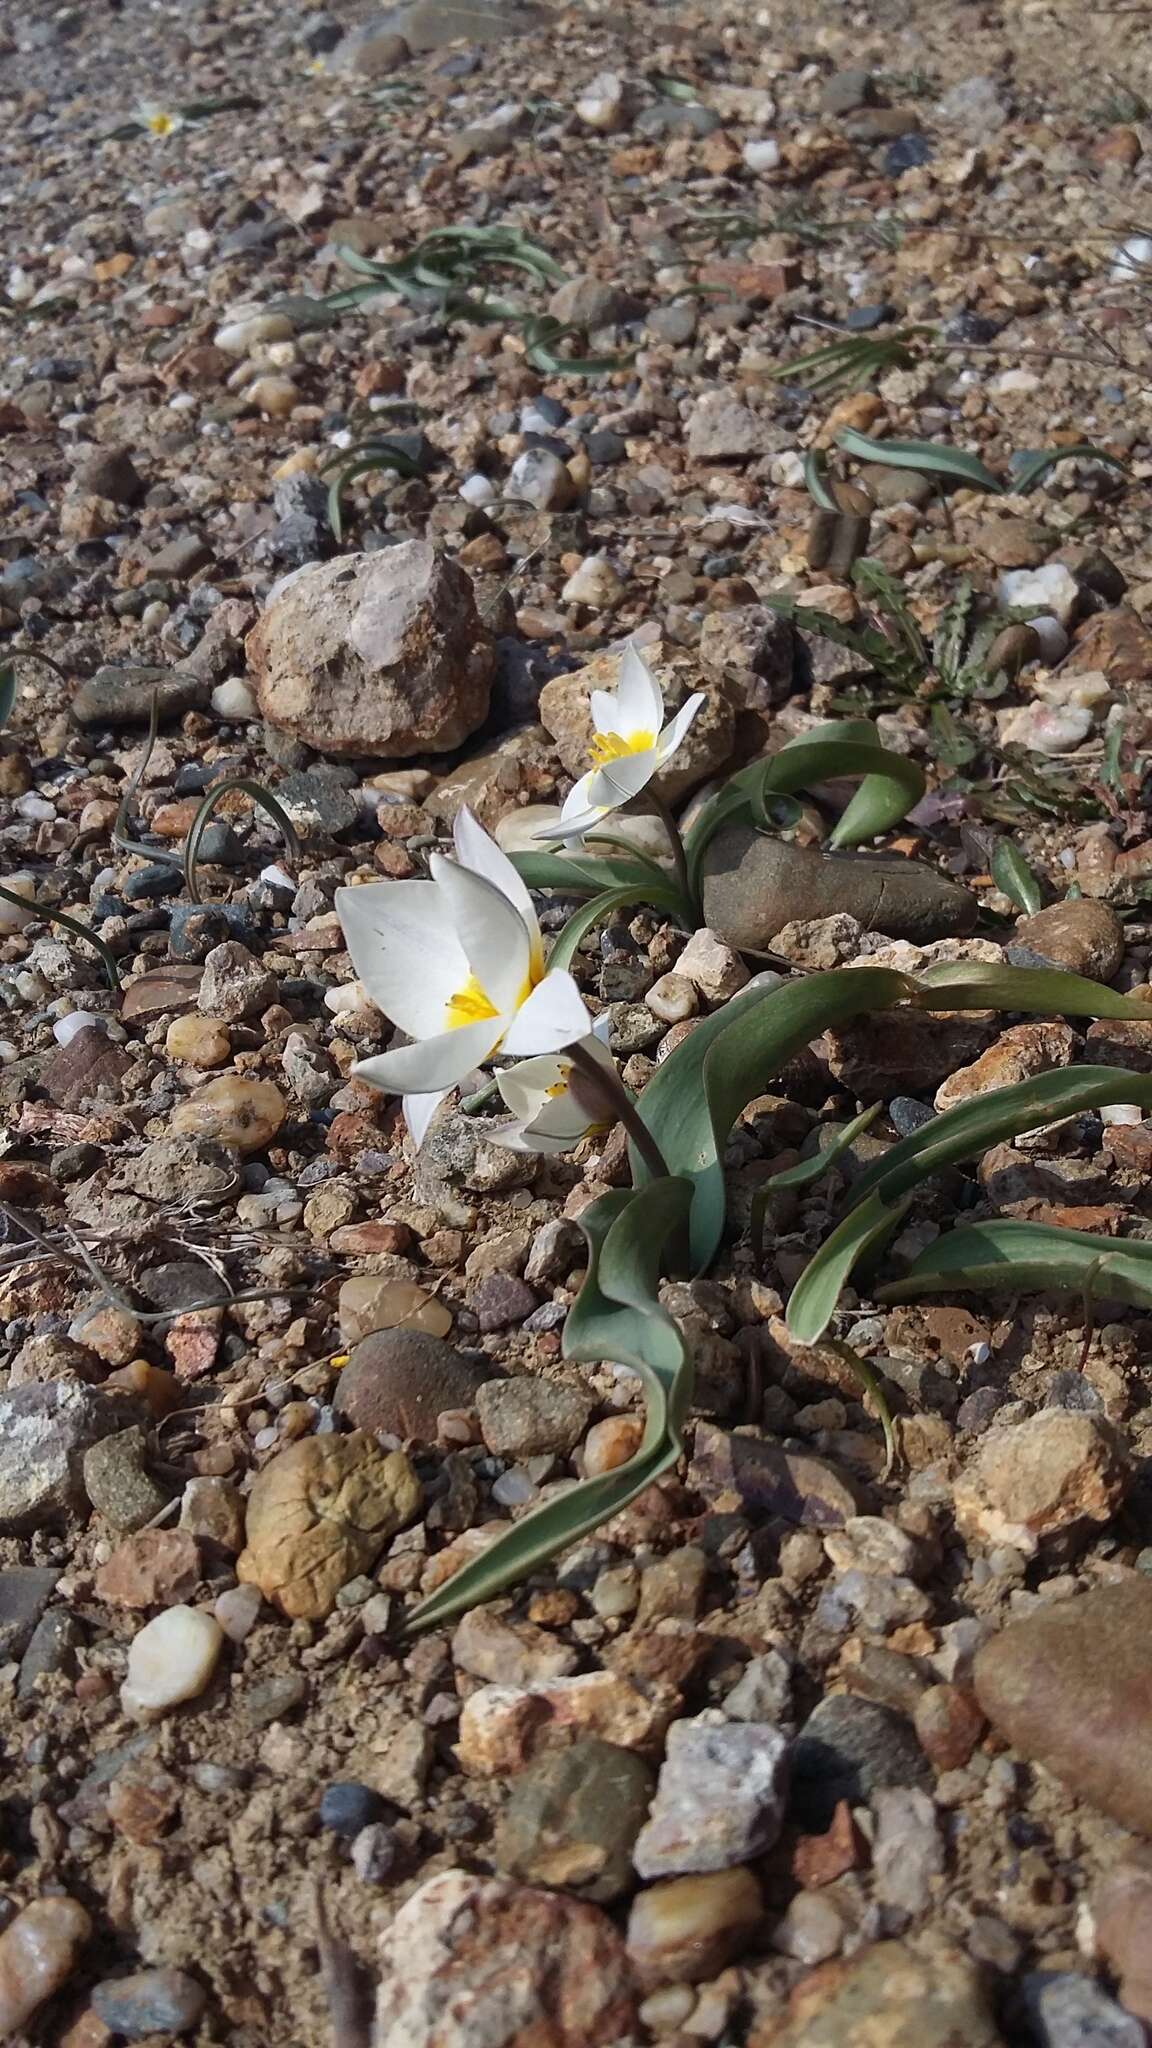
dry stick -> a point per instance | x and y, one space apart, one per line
347 1986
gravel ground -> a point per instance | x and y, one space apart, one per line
795 1751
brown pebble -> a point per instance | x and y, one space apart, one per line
949 1724
37 1955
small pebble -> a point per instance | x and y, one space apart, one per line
172 1659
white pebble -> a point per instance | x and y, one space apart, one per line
1052 637
1121 1113
238 336
172 1659
1132 257
762 156
234 699
1052 588
13 919
37 808
1046 728
276 878
477 490
66 1028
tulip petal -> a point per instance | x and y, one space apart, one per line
405 950
619 781
419 1111
478 852
525 1086
604 711
432 1064
676 728
553 1016
491 931
639 698
511 1136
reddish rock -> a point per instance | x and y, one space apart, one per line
949 1724
90 1068
821 1859
155 1568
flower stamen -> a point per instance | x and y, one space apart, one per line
615 746
469 1005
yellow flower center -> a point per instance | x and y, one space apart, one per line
160 124
470 1004
560 1087
614 746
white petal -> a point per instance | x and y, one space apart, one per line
676 728
639 698
405 950
619 781
553 1017
597 1041
511 1136
478 852
605 710
525 1086
491 931
561 1119
432 1063
419 1111
577 815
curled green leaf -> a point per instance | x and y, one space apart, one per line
69 924
616 1316
1004 1255
1013 876
259 795
928 457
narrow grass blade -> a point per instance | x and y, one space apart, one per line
7 692
814 481
617 1316
1029 466
69 924
803 1174
259 795
663 896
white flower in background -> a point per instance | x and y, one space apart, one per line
458 964
549 1116
159 121
630 745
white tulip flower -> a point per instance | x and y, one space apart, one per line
159 122
549 1116
457 963
630 745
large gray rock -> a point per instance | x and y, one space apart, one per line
382 654
572 1818
45 1429
754 886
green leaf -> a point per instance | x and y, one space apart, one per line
1029 465
259 795
885 1189
358 462
1013 876
890 785
888 659
880 586
1040 991
812 1302
616 1316
695 1096
568 875
852 360
7 692
928 457
1004 1255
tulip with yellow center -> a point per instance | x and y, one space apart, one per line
159 121
550 1115
630 745
457 962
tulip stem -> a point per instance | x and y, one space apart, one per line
607 1083
672 830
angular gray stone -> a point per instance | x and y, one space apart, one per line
25 1590
1071 2011
235 985
572 1818
720 1798
45 1429
179 1170
908 1851
750 649
150 2002
753 885
382 654
118 1483
525 1418
847 1749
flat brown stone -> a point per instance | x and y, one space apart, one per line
1071 1688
